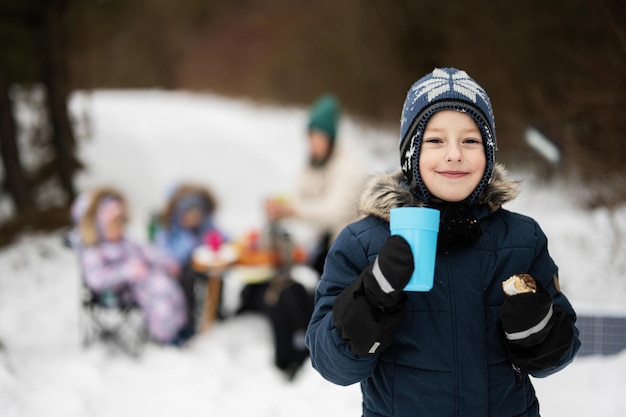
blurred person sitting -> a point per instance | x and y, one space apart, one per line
328 186
324 201
111 261
185 223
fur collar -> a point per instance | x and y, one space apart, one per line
385 191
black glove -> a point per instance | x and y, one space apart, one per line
367 313
537 333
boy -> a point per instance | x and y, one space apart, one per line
464 348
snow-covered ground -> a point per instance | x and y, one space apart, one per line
144 142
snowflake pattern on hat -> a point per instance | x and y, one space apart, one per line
443 89
440 82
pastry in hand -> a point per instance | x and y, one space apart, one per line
519 284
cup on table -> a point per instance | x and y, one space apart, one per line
420 227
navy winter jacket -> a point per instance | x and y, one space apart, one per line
448 356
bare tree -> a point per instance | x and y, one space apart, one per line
39 26
15 178
52 41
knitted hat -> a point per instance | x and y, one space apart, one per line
324 116
443 89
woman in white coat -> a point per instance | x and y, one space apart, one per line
329 185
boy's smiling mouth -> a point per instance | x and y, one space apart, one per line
453 174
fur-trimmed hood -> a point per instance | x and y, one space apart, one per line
385 191
168 216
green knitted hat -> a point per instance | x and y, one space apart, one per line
324 116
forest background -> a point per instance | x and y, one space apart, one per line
558 66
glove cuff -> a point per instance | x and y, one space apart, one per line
366 328
379 292
533 330
527 318
384 285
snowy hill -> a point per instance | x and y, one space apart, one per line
144 142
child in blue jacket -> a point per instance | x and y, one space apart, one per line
187 222
464 348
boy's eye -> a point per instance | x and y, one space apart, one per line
473 141
433 140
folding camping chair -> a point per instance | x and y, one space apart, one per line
108 316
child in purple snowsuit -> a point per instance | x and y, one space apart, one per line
111 261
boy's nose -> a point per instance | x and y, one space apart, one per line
453 153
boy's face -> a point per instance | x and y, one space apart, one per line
452 158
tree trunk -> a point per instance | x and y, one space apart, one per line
52 38
15 178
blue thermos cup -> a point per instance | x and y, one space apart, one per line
419 226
